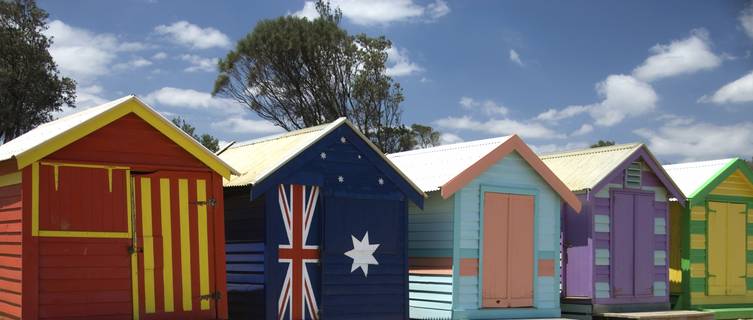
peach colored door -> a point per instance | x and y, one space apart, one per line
508 251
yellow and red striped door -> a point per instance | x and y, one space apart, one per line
174 237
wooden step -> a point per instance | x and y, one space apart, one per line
660 315
732 313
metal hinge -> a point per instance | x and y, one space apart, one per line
209 202
212 296
135 249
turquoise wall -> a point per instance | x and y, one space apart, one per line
430 229
511 175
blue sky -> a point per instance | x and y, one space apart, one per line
677 75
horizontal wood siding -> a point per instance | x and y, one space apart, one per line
430 229
84 278
10 252
512 173
245 279
578 250
430 296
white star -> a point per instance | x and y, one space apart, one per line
323 155
341 179
362 254
381 181
359 156
343 140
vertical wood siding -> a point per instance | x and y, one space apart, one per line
10 252
512 172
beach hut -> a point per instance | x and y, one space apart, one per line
712 238
317 227
111 213
486 244
615 252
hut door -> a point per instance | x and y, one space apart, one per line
632 244
174 228
507 259
726 249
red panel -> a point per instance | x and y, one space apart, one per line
30 284
10 251
130 141
82 200
218 214
520 251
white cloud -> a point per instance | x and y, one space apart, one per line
449 138
191 99
369 12
498 127
132 64
243 125
700 141
679 57
191 35
746 20
584 129
624 96
488 107
548 148
84 55
567 112
86 97
515 57
399 64
738 91
159 55
199 63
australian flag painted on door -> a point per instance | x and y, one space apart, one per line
320 235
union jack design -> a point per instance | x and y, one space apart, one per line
297 206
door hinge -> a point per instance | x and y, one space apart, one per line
212 296
209 202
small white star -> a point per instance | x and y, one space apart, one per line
323 155
359 156
362 254
381 181
341 179
343 140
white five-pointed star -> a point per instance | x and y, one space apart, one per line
323 155
343 140
362 254
381 181
341 179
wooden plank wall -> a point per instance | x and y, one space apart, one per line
10 252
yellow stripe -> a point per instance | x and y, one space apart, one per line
698 270
697 241
201 195
134 257
83 234
185 244
10 179
148 236
35 199
167 244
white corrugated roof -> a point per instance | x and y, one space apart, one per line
583 169
52 129
257 159
691 176
431 168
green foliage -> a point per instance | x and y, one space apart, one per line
31 87
208 141
425 136
603 143
299 73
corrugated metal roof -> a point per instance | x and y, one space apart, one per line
691 176
431 168
583 169
257 159
52 129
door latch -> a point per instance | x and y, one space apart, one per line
212 296
135 249
209 202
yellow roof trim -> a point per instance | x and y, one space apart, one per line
132 105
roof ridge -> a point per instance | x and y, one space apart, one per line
700 164
585 151
281 135
453 146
